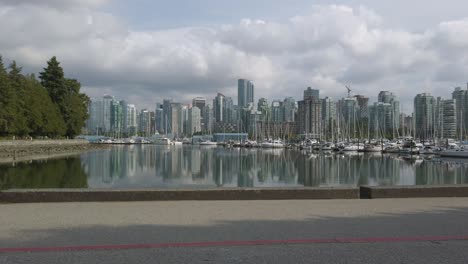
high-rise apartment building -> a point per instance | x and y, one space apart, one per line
310 114
219 107
245 92
424 115
194 118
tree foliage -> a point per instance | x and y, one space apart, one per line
53 107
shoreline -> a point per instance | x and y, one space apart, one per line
228 194
28 150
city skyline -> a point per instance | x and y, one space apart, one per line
322 118
183 54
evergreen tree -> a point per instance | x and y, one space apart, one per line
6 102
65 93
19 124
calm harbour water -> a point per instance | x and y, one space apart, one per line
194 167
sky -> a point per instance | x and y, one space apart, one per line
146 50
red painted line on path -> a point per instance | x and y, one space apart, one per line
239 243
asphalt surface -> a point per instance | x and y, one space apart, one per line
336 231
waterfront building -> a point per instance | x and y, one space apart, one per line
245 92
145 123
289 109
219 107
328 117
275 130
424 116
184 120
176 125
200 102
310 114
461 96
194 120
131 120
264 108
310 93
107 101
166 120
393 121
347 109
209 119
116 118
229 115
159 118
95 123
448 119
227 137
363 108
381 120
277 111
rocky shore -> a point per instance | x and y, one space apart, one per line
22 150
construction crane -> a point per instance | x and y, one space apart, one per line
349 90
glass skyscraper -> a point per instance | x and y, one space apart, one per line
245 92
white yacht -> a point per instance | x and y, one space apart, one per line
161 140
372 148
455 152
327 147
427 150
272 144
352 147
208 143
177 143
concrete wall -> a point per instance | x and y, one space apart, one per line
368 192
90 195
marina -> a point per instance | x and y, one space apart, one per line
201 167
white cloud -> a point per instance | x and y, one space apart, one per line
324 48
55 3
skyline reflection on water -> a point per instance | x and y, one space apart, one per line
182 167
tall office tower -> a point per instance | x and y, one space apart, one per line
131 128
277 111
310 114
218 108
381 120
159 118
176 126
310 93
116 118
145 123
229 110
289 109
209 119
264 109
363 105
424 115
194 120
124 105
328 116
106 113
392 123
167 115
461 96
95 121
245 92
200 102
184 119
448 119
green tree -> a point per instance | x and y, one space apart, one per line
43 116
65 93
7 100
19 125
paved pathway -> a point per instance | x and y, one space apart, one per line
335 231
